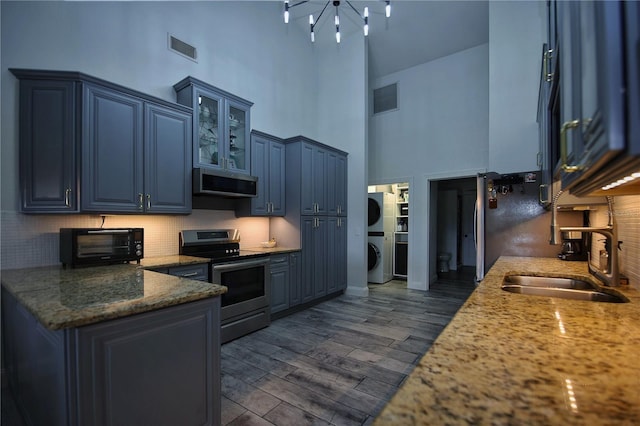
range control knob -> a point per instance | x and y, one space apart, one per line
138 253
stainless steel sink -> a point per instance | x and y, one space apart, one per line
565 288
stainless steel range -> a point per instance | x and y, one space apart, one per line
245 306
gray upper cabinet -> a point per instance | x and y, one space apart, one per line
268 165
221 126
336 184
136 155
48 146
590 97
87 145
167 160
112 151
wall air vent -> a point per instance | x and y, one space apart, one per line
183 49
385 98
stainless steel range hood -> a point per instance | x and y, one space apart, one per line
225 184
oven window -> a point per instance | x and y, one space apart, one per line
242 284
103 245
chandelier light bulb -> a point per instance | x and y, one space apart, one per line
313 36
286 11
336 4
366 21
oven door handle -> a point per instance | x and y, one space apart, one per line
240 265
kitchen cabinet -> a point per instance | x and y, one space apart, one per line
135 155
268 165
336 184
336 254
308 172
295 281
313 171
120 151
279 282
314 258
156 367
48 146
221 126
589 98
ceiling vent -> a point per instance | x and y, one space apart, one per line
385 98
183 49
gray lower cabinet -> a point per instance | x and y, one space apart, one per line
336 254
88 145
279 282
155 368
314 257
295 281
198 272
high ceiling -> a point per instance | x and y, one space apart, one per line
418 31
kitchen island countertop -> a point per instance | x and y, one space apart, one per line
520 359
63 298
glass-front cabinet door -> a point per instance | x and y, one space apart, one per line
238 132
221 126
209 134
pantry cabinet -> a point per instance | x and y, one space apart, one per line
316 192
117 150
221 126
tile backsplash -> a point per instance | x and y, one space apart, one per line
627 220
32 240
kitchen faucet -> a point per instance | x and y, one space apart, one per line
611 276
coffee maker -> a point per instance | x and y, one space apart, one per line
573 246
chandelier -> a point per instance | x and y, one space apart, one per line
313 22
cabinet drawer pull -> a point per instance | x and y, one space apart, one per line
542 187
189 274
548 55
569 125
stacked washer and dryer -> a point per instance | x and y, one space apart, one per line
381 216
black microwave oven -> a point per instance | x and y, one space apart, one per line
100 246
225 184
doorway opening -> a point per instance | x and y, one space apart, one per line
455 233
395 210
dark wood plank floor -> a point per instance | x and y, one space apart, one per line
337 363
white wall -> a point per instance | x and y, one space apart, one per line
240 50
515 51
440 130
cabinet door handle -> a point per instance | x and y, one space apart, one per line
539 159
542 187
548 55
569 125
67 197
148 201
140 201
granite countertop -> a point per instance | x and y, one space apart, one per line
520 359
63 298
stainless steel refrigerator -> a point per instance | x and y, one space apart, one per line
509 219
